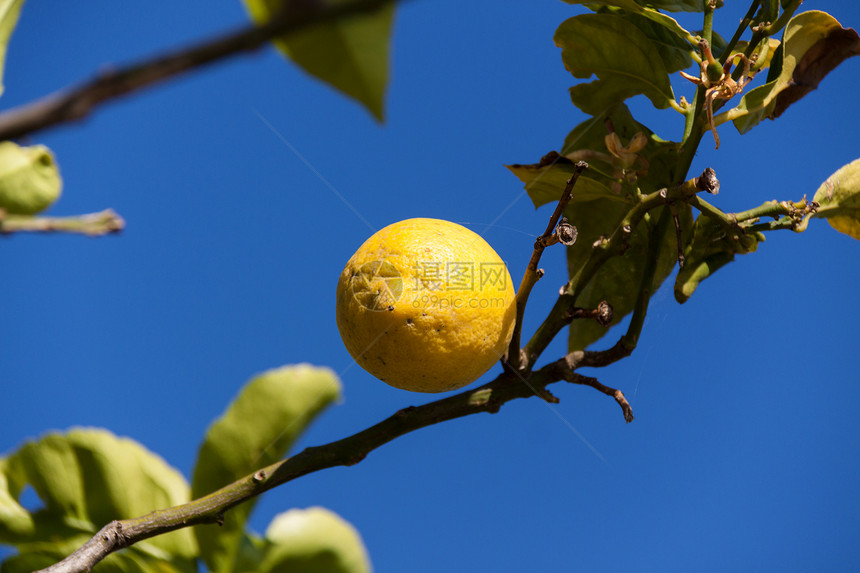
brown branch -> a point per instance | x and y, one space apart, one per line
490 397
554 233
92 224
75 103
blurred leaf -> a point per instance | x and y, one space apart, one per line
313 540
9 12
84 479
350 54
813 44
257 429
625 61
29 178
839 198
618 279
710 249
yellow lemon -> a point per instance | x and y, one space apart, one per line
426 305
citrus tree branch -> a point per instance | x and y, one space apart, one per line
555 233
91 224
509 385
606 248
75 103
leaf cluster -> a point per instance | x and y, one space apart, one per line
630 48
87 477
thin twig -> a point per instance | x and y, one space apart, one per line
551 235
606 248
75 103
346 452
91 224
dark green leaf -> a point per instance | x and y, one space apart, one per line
350 54
839 198
669 5
625 61
654 168
29 178
711 248
257 429
546 180
674 42
313 540
613 281
813 44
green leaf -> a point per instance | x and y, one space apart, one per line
813 44
613 281
839 198
350 53
257 429
84 479
655 167
313 540
669 5
9 12
625 61
29 178
546 180
710 249
674 42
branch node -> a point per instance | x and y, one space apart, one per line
566 233
708 181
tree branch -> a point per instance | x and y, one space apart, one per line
606 248
490 397
92 224
73 104
564 233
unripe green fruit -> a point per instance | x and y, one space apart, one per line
29 179
714 72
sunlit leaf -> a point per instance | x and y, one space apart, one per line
350 54
625 61
9 12
710 249
84 479
839 198
813 44
257 429
666 32
313 540
29 178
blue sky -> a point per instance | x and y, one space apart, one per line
743 453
